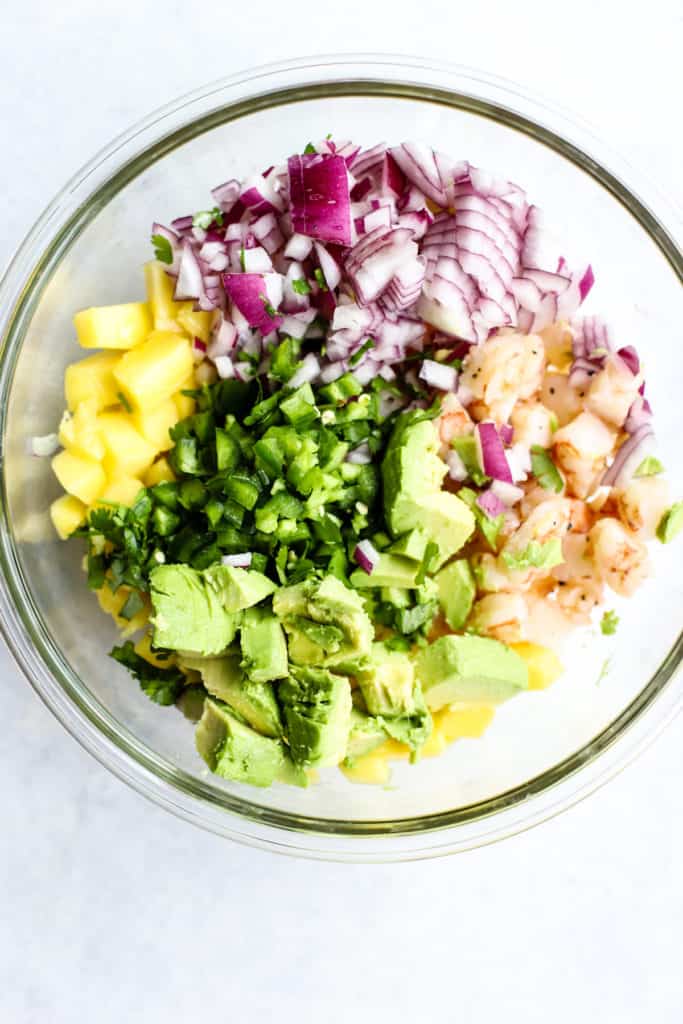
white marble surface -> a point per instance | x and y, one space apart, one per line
110 909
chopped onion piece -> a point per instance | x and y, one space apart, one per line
46 444
491 452
367 556
240 561
438 375
489 502
307 372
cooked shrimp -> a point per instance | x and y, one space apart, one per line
642 503
578 599
581 449
547 521
620 558
532 424
488 574
501 616
612 391
560 397
558 345
578 559
453 421
507 369
580 516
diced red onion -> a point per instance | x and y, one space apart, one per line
44 445
329 266
360 456
249 294
240 561
506 432
456 467
227 194
298 247
366 556
320 204
630 357
489 502
438 375
491 452
629 456
224 367
307 372
508 493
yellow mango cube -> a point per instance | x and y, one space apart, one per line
128 453
160 288
154 424
183 403
84 478
468 722
144 648
159 472
80 433
371 770
122 489
67 514
196 323
543 664
155 370
119 327
112 603
92 379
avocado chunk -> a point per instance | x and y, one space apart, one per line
412 474
254 701
390 571
366 734
264 648
317 710
235 751
414 727
393 694
238 588
325 622
471 669
456 592
188 614
411 545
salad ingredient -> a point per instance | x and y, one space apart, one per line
235 751
119 327
317 709
189 614
671 523
470 669
225 680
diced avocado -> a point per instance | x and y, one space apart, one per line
293 774
235 751
412 474
413 728
388 681
470 669
389 571
191 702
325 622
254 701
188 615
456 592
367 733
264 648
411 545
317 711
397 596
238 588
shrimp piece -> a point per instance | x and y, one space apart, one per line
580 516
612 391
500 373
548 521
501 616
642 503
453 421
488 574
578 559
532 424
578 599
558 345
620 559
560 397
581 449
534 494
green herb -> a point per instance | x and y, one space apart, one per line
671 523
310 148
358 355
320 278
650 466
243 263
466 448
328 136
132 605
545 470
301 286
162 685
205 218
604 671
268 306
428 562
609 622
535 555
488 527
124 401
163 250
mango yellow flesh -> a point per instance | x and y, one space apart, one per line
159 472
84 478
92 380
122 489
128 453
196 323
183 403
112 603
160 287
155 424
144 648
155 370
67 514
79 431
543 664
118 327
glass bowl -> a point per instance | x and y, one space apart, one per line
545 750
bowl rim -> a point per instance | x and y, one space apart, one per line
28 272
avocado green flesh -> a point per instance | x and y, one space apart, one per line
456 592
469 669
411 545
394 696
389 571
188 614
366 734
235 751
317 711
254 701
304 608
264 647
238 588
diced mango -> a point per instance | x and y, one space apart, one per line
183 403
119 327
128 453
81 477
435 745
92 379
112 603
543 664
371 769
464 723
196 323
67 514
144 648
160 288
80 433
154 424
122 489
155 370
159 472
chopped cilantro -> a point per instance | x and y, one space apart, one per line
671 523
536 555
163 250
268 306
132 606
243 264
609 622
650 466
545 470
320 278
310 148
205 218
301 286
162 685
358 355
124 401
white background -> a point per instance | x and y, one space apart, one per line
111 910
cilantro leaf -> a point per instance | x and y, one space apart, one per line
320 278
205 218
545 470
124 401
268 306
535 555
609 622
301 286
650 466
310 148
671 523
162 685
358 355
163 250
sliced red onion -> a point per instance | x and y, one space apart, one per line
319 197
250 295
329 266
491 452
639 414
438 375
224 367
489 502
418 163
368 160
374 260
506 431
298 247
630 357
240 561
366 556
307 372
360 456
629 456
182 225
456 467
508 493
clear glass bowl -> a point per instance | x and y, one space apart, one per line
545 750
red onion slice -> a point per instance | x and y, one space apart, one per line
491 452
367 556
